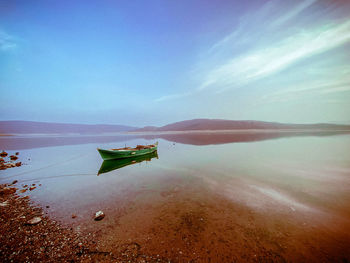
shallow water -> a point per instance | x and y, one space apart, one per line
284 185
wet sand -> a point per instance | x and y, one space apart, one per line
199 226
181 226
185 223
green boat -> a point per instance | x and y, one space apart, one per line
127 152
111 165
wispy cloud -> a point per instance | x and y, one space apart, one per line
7 42
266 42
268 60
293 12
173 96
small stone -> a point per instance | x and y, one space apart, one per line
99 215
2 160
17 153
13 157
47 206
18 164
7 190
32 188
14 182
3 154
34 221
74 215
4 203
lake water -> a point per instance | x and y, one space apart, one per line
205 197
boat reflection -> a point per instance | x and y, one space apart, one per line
111 165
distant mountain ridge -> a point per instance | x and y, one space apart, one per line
218 124
32 127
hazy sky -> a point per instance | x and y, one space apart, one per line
156 62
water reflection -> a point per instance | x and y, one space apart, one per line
207 138
193 138
111 165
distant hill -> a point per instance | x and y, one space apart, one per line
32 127
215 124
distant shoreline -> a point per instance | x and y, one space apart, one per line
132 133
237 131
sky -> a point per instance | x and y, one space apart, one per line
155 62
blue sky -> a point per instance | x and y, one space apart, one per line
155 62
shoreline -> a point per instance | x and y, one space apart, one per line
207 229
137 133
49 240
46 241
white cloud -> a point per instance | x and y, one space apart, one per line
293 13
173 96
266 42
265 61
7 42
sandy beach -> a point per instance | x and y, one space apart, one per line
184 228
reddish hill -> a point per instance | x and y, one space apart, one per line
30 127
216 124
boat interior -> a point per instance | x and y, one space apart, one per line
138 147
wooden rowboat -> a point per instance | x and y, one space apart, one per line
127 152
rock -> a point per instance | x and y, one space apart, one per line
7 190
32 188
14 182
74 215
17 153
34 221
2 160
4 203
18 164
13 157
23 190
3 154
99 215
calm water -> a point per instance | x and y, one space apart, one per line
306 179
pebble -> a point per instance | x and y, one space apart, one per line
7 190
99 215
4 203
13 157
14 182
34 221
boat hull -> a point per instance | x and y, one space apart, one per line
118 154
111 165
